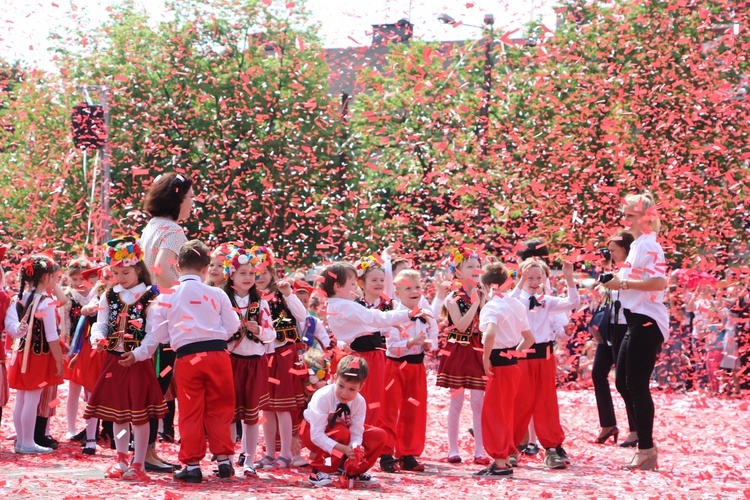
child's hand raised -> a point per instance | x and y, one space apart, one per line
285 287
567 269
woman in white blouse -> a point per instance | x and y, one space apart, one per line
641 282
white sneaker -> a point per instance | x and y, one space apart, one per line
366 480
249 470
319 479
32 450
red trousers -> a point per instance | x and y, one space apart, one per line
498 409
373 440
403 413
205 394
537 397
372 390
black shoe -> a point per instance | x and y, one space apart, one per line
166 437
189 476
163 468
494 472
89 450
81 436
629 444
563 455
530 449
241 460
388 464
47 442
226 471
408 462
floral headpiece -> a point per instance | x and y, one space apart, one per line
318 367
264 255
79 265
237 257
458 255
221 251
123 252
366 263
34 262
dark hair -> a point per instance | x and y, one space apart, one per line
494 274
623 239
166 194
144 276
340 273
193 255
77 266
533 248
352 369
39 265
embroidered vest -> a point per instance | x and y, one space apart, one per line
376 340
39 344
471 335
283 320
128 321
252 313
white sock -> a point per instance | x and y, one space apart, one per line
140 442
454 415
91 432
122 440
250 441
24 416
74 393
285 433
269 432
476 398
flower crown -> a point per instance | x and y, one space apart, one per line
264 255
237 257
31 264
458 255
366 263
123 252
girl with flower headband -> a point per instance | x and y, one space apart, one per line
284 388
371 279
462 367
248 349
37 361
216 272
126 395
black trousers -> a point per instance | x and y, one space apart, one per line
635 364
604 358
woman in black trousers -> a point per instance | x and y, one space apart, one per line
606 353
641 282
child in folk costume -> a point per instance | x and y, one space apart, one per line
4 304
312 330
196 320
216 276
372 347
248 349
284 388
461 365
126 395
506 334
334 428
537 392
37 361
404 409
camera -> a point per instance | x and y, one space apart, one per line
605 277
605 253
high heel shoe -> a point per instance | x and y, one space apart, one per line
629 444
614 432
644 460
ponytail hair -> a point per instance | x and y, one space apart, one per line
33 269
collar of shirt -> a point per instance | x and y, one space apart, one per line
189 277
137 289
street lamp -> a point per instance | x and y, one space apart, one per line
483 123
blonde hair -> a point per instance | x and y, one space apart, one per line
534 262
644 204
407 274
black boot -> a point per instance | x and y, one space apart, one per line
40 437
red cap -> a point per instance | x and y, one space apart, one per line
87 274
302 286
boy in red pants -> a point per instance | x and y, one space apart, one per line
334 428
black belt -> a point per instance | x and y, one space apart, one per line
541 351
254 356
203 346
412 359
497 358
367 343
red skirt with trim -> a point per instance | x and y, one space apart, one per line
4 390
462 367
126 394
40 372
250 387
284 387
88 367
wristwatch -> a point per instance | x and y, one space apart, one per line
624 285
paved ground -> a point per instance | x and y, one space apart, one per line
703 453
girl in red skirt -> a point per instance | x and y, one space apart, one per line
126 395
371 279
247 349
284 388
461 365
37 361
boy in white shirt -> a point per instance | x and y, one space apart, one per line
505 335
